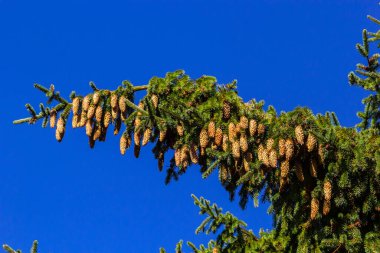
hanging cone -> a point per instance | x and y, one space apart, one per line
122 104
231 132
260 150
185 156
180 130
284 170
299 171
245 164
107 119
99 114
76 103
91 112
74 122
86 103
96 98
211 129
146 136
273 158
203 138
97 133
61 125
326 207
311 142
265 157
223 173
226 110
218 137
137 138
327 190
114 101
313 168
243 143
237 129
244 122
225 143
236 149
252 127
270 144
58 135
53 118
115 112
193 154
123 144
281 147
177 157
289 149
314 208
162 135
154 99
89 128
300 137
261 129
83 119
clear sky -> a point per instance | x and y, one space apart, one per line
73 199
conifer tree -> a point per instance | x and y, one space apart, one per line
322 179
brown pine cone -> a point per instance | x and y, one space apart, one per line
281 147
226 110
231 132
236 149
122 104
252 127
99 113
289 149
326 207
53 118
261 129
225 143
273 158
154 99
243 143
284 170
86 103
96 98
114 101
300 137
244 122
314 209
76 103
203 138
180 130
270 144
193 154
313 168
211 129
311 142
327 190
91 112
146 136
218 136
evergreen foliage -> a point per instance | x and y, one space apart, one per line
322 179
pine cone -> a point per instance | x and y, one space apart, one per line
237 128
311 142
180 130
115 112
185 156
89 127
74 122
252 127
289 149
236 149
122 104
223 173
231 132
193 154
203 138
83 119
147 135
154 99
137 138
86 103
177 157
53 118
299 171
225 143
270 144
97 133
91 112
243 143
58 135
245 164
260 150
61 125
327 190
76 103
326 207
284 170
218 136
244 122
314 208
211 129
99 113
107 119
299 134
226 110
96 98
273 158
283 183
123 144
313 168
281 147
265 157
261 129
114 101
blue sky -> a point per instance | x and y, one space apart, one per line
73 199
